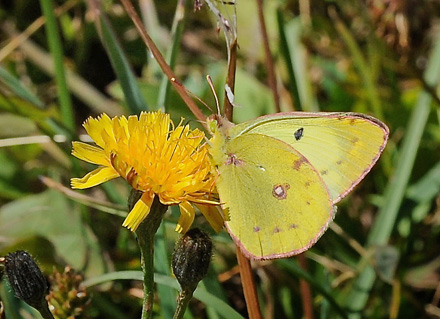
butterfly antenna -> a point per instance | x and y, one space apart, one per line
193 95
211 85
199 99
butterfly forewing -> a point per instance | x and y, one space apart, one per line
342 147
278 203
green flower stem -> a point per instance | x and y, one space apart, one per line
183 299
44 310
145 236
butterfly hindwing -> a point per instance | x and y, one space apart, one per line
278 203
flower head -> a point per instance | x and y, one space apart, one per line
155 158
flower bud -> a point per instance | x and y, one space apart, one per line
26 278
27 281
191 258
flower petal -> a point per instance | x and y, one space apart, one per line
95 127
139 212
96 177
213 215
186 218
90 153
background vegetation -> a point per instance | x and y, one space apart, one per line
380 259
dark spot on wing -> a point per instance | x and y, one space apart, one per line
279 191
293 226
324 172
299 133
276 230
256 229
355 140
339 162
297 163
307 184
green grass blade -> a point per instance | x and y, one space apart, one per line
395 190
212 284
10 303
285 51
56 49
216 303
299 58
150 19
122 68
176 35
16 87
364 70
200 294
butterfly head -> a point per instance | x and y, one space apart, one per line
212 123
217 123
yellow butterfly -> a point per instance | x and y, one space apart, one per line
280 175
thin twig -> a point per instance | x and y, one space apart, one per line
230 80
306 292
161 61
269 60
229 27
248 284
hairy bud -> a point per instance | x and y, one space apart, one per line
191 257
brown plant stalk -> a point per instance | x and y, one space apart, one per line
269 59
161 61
246 275
244 264
249 288
306 292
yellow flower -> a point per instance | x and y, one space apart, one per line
155 158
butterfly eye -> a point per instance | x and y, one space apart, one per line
299 133
212 126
